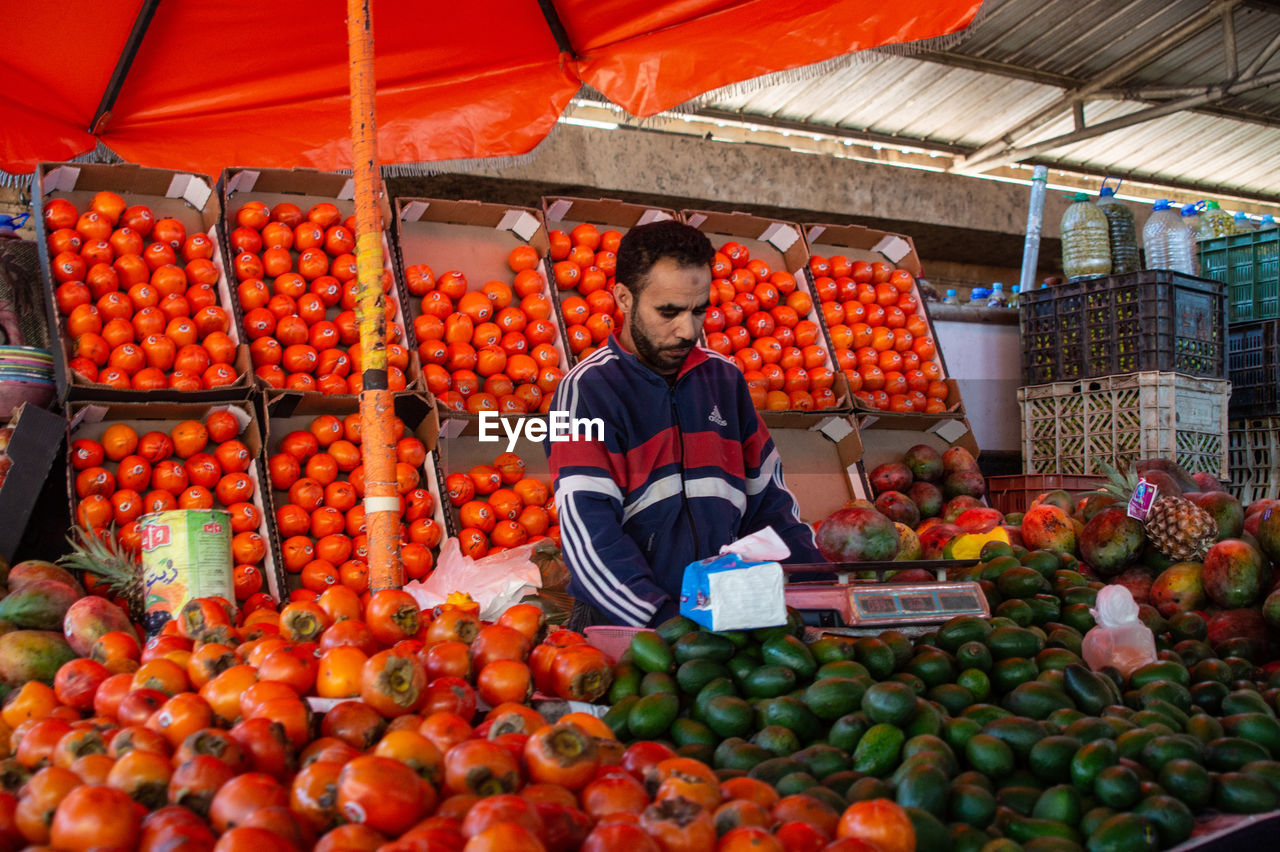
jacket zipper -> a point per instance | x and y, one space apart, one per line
684 503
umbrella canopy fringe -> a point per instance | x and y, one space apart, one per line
430 168
22 180
831 66
942 42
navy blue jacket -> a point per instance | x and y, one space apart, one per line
684 468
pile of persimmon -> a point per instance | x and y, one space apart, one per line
761 319
195 465
583 265
204 739
317 475
500 507
138 297
297 288
880 336
490 348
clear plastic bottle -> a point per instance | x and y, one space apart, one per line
1182 242
978 296
1013 298
997 298
1154 240
1086 241
951 299
1214 222
1242 224
1122 232
1268 221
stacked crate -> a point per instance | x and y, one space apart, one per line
1125 367
1249 266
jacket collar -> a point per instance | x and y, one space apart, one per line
697 356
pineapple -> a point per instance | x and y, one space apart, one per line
1178 528
100 556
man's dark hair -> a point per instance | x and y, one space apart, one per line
645 245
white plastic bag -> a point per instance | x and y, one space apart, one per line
495 582
1120 639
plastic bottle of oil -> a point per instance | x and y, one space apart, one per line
1242 224
1121 230
1086 240
1214 222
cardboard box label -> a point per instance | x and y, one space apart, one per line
61 179
413 211
521 223
191 189
652 215
780 236
243 181
348 190
815 232
894 248
950 430
559 209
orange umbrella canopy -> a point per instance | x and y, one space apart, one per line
205 84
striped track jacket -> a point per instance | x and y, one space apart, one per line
683 470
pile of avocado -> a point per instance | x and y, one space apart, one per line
992 733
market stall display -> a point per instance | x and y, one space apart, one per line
307 710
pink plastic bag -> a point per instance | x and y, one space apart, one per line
1120 639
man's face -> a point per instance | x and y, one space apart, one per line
662 324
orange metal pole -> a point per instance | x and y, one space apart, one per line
381 501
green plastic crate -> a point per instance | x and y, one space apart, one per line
1249 264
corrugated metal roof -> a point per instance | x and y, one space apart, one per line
1025 55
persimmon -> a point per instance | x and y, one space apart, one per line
481 768
239 797
880 823
224 690
143 776
445 730
393 684
392 615
415 751
382 793
679 824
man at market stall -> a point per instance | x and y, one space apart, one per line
686 465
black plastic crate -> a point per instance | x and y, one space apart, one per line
1253 365
1153 320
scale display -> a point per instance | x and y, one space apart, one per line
886 604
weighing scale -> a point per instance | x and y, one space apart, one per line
849 606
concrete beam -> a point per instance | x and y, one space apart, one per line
742 175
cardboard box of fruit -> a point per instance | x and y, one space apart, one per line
877 321
482 313
313 461
289 248
583 236
135 286
128 459
764 315
499 492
